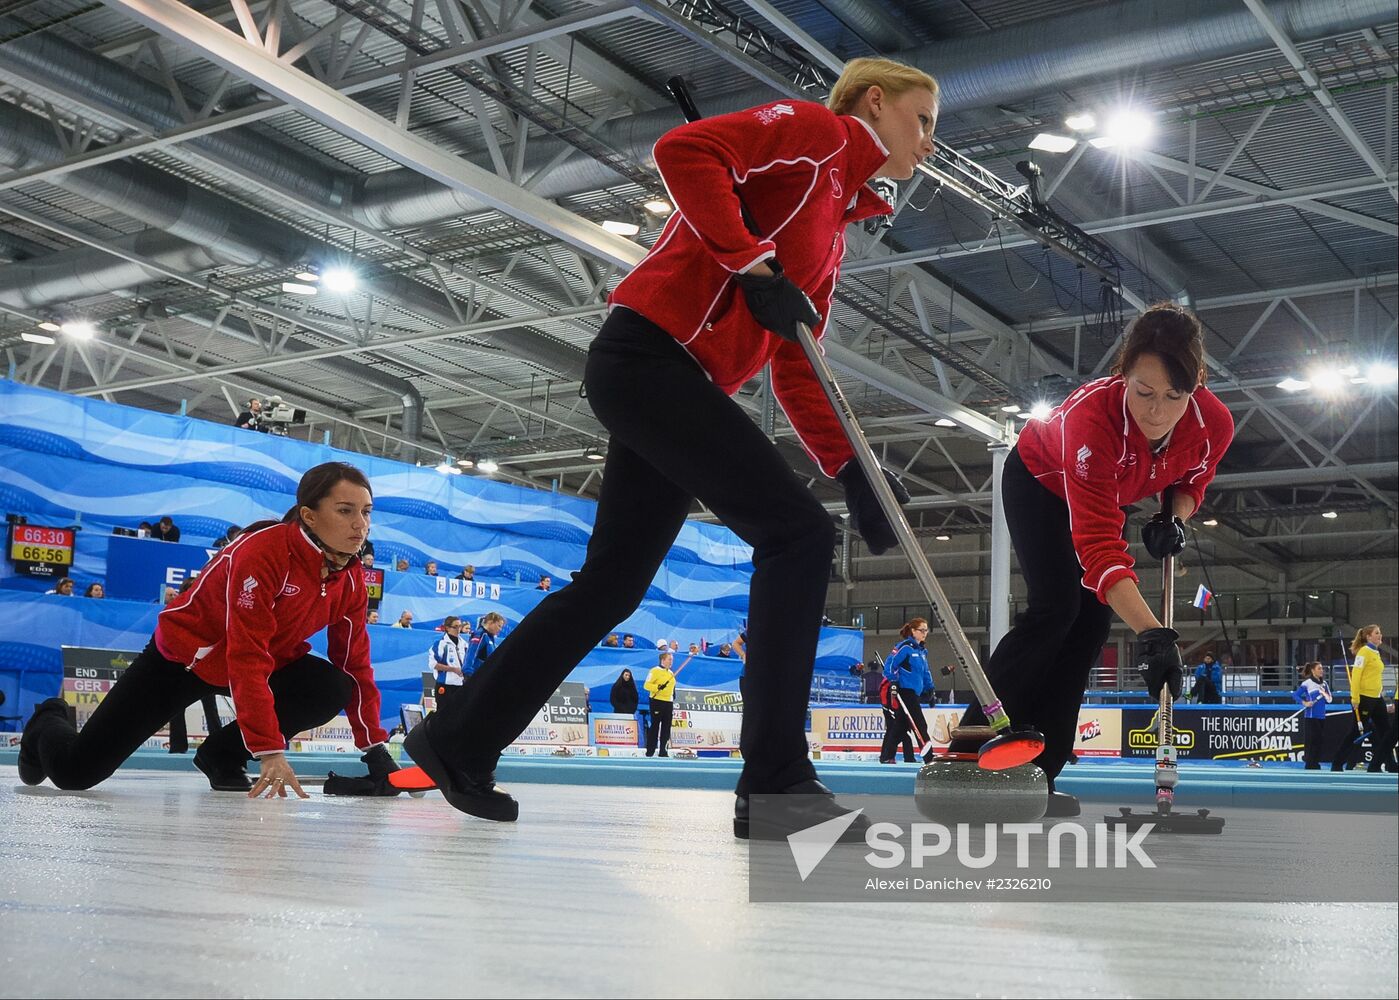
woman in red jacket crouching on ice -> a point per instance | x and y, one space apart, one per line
242 629
1150 426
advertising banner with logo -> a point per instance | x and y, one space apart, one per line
563 721
1264 733
615 730
706 720
1099 732
861 727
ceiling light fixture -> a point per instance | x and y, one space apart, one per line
30 337
658 206
1082 122
1130 127
295 288
944 422
79 329
488 465
1048 142
340 280
621 228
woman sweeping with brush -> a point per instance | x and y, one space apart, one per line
1150 426
706 310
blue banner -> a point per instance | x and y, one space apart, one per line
139 569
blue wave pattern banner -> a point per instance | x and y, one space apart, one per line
33 628
66 459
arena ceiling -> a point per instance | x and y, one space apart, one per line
167 170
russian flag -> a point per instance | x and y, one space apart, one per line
1202 597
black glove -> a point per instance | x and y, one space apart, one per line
776 303
1158 660
379 762
864 508
1164 535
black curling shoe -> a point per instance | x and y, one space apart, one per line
223 776
474 794
810 803
31 770
1062 805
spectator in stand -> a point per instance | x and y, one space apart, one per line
431 568
251 418
166 531
725 650
372 618
624 697
674 646
628 641
95 590
694 649
1209 681
170 594
402 564
63 588
468 574
367 560
544 583
405 620
233 532
447 658
612 642
145 530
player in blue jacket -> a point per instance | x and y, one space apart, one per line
483 643
1314 697
1209 681
907 670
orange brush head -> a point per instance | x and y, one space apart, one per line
1010 750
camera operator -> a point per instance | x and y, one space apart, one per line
251 418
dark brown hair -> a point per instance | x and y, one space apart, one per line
314 487
1307 670
1172 334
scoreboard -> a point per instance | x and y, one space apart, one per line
39 551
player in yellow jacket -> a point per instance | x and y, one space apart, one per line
1367 695
660 685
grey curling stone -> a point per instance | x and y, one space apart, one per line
949 790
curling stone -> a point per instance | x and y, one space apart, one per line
952 788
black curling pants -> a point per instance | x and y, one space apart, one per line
897 728
307 692
1040 667
658 729
675 438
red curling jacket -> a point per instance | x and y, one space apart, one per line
802 171
1091 453
250 613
